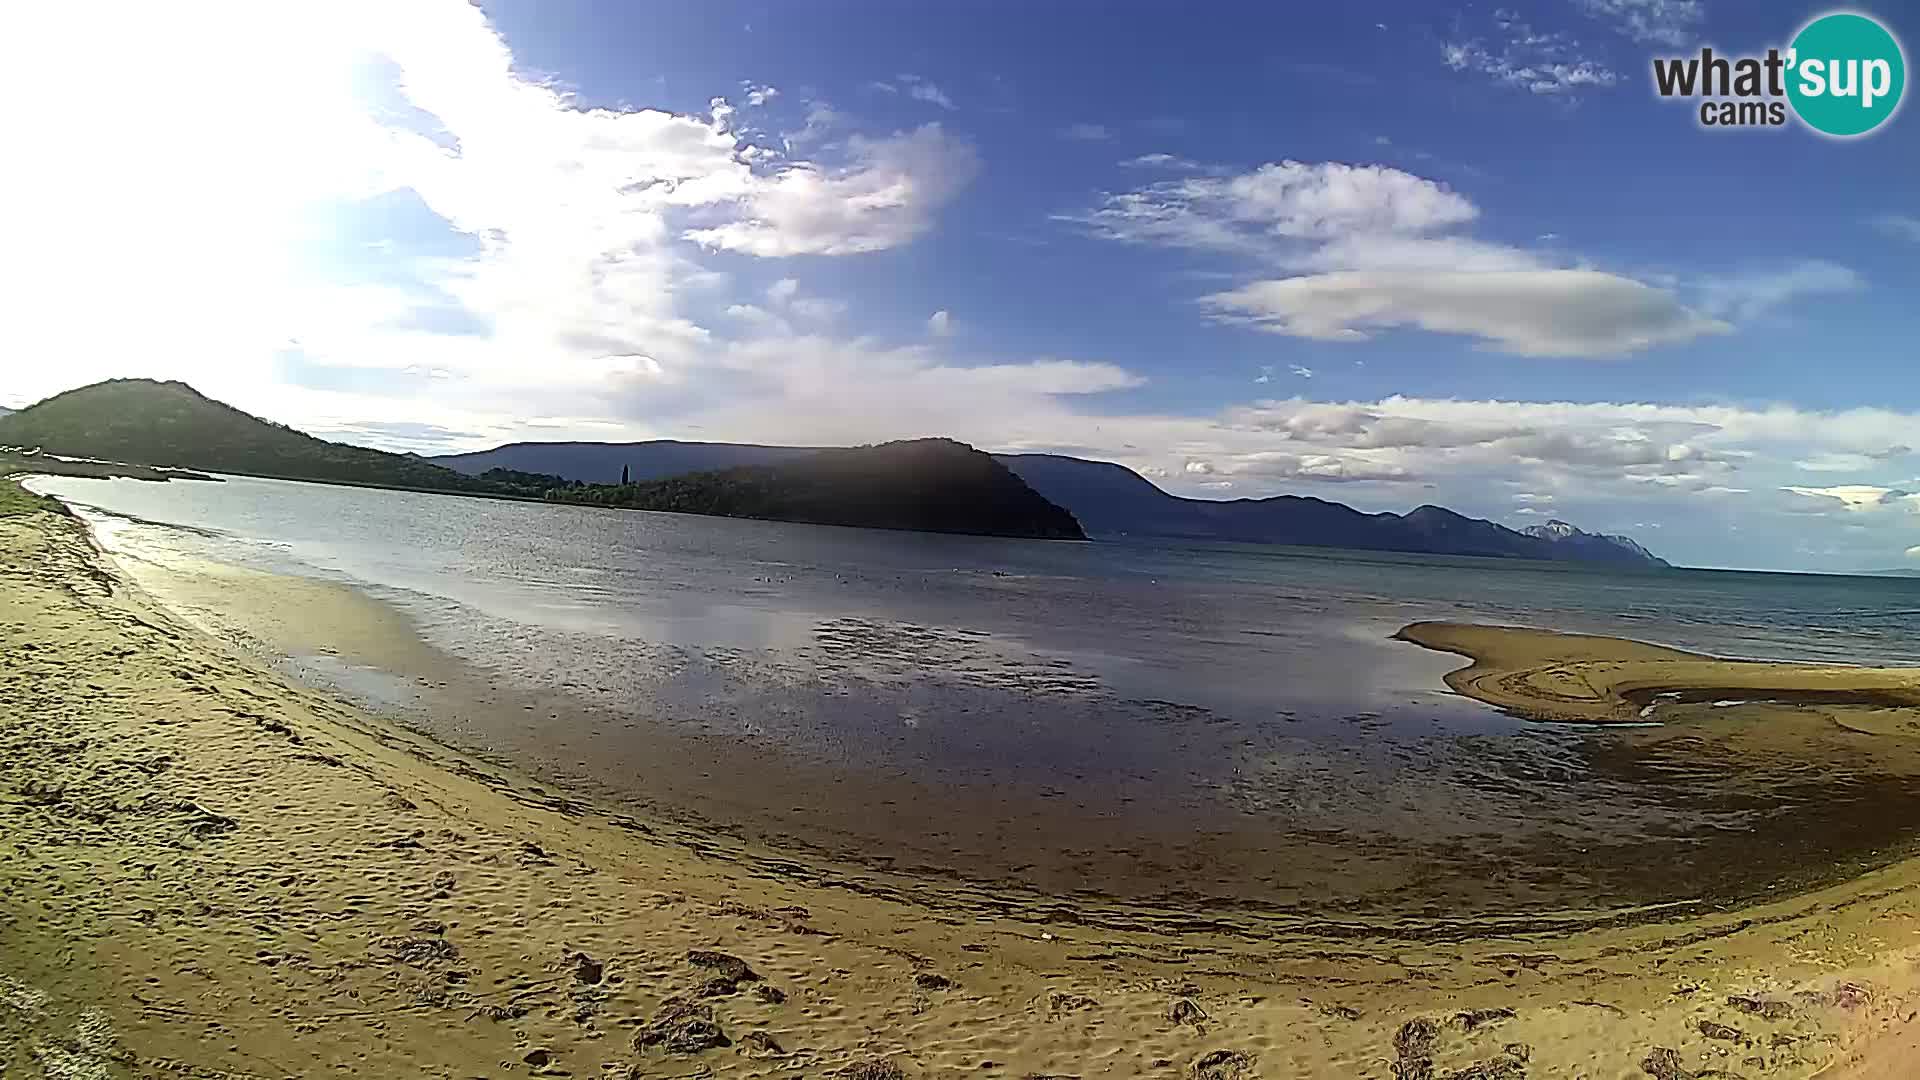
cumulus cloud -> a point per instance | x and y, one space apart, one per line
1528 312
884 198
565 237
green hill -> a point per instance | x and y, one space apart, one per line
140 421
931 485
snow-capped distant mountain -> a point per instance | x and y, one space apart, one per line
1561 533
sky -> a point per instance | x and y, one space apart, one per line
1386 253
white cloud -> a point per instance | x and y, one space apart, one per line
1661 22
1086 132
1903 226
884 198
1746 294
930 93
1523 58
1914 552
1384 250
574 218
1417 252
1170 162
1859 497
1529 312
940 324
921 90
1302 372
785 297
822 120
1539 75
1278 207
819 309
1320 468
1857 462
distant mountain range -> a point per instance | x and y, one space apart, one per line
931 484
601 463
1604 544
170 424
924 484
1112 500
928 485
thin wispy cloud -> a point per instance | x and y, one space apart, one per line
1514 54
1086 132
1169 162
1673 23
920 89
1750 292
1900 226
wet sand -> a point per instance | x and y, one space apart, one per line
208 870
1578 678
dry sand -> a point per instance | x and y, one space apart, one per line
207 871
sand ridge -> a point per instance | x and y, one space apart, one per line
207 871
1581 678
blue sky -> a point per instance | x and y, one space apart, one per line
1386 253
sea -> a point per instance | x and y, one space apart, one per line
1154 721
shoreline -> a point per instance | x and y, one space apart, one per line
1584 679
186 832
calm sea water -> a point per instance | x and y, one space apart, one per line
1069 705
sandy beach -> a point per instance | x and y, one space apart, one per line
1579 678
211 871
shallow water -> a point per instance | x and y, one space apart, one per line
1203 722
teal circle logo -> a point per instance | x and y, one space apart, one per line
1846 73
